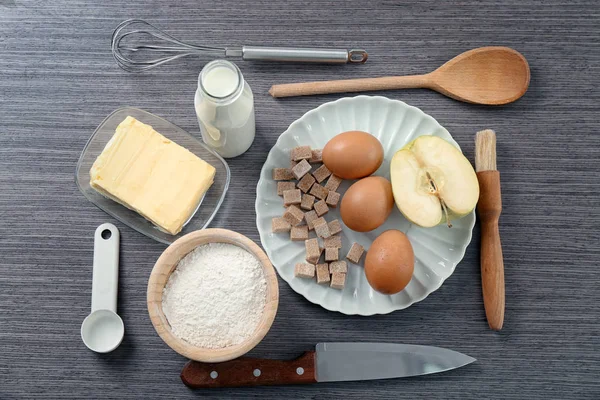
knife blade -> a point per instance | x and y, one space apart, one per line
328 363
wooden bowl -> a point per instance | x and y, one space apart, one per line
167 263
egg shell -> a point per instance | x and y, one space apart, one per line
353 154
390 262
367 204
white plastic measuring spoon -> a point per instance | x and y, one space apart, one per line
102 331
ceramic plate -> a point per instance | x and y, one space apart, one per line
437 250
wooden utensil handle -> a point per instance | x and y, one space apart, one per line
350 85
250 372
492 263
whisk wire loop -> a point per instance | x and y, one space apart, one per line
119 50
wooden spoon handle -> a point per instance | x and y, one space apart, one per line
250 372
492 264
350 85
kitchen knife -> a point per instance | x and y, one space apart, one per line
328 363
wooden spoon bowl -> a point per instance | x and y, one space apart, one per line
487 75
167 263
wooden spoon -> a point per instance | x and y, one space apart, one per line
487 75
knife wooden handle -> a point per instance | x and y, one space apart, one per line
250 372
489 208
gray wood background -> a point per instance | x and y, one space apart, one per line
58 81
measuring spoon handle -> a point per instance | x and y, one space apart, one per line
105 279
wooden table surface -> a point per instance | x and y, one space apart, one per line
58 81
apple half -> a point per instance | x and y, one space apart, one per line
433 182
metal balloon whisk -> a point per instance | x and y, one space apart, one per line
130 56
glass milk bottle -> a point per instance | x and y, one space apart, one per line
225 108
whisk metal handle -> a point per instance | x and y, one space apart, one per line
305 55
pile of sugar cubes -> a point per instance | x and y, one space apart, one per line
306 203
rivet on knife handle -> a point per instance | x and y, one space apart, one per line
489 208
250 372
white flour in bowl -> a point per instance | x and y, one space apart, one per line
216 296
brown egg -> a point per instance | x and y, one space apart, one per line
367 204
353 154
390 262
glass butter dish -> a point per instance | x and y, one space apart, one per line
209 204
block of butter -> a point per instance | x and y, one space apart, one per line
148 173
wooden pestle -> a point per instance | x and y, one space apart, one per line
489 208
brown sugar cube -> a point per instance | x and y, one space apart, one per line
332 199
321 173
321 228
310 218
338 266
290 197
298 233
307 202
280 225
322 273
283 186
292 165
338 280
321 208
304 270
293 215
316 157
331 253
301 169
319 191
333 183
313 251
332 241
335 227
355 253
306 183
301 153
282 174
